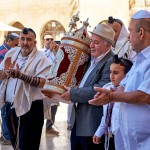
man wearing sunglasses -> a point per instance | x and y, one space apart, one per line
50 50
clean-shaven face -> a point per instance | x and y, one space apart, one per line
47 40
117 73
98 46
134 36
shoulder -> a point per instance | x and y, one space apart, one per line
13 50
108 86
109 56
108 59
40 56
2 47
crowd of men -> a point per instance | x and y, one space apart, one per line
23 72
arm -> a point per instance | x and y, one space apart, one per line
101 129
38 80
5 65
34 81
134 97
106 96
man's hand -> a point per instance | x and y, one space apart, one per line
54 46
14 73
103 97
66 95
96 140
8 64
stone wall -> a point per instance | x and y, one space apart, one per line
37 14
136 5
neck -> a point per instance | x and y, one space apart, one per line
47 47
24 54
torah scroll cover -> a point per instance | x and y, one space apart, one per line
68 66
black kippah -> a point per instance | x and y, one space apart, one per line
25 31
111 19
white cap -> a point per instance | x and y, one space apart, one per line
15 34
142 14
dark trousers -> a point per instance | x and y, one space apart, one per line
84 142
30 126
50 122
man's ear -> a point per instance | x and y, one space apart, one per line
35 43
141 33
9 41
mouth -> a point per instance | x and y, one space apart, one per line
93 51
25 47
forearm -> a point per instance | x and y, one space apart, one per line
34 81
135 97
82 95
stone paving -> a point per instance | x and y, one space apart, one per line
61 142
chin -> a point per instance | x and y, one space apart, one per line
94 56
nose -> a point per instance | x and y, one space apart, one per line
25 41
91 44
111 76
129 36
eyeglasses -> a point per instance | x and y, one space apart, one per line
49 39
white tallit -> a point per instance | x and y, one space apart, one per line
36 65
123 47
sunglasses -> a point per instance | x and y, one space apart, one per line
49 39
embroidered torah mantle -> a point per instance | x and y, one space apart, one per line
70 62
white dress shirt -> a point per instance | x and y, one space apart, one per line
94 62
114 117
49 54
134 128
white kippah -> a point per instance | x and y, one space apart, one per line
142 14
15 34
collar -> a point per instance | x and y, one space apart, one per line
100 57
6 46
145 53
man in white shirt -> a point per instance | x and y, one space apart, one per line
133 132
50 50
